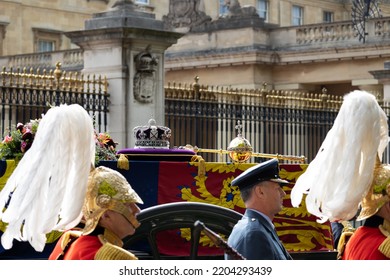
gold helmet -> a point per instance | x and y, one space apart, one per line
378 193
107 190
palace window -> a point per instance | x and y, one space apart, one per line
327 17
46 40
262 9
297 15
143 2
223 9
46 46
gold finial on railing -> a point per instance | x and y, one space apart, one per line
100 83
3 74
93 82
77 81
263 93
31 77
38 77
58 73
196 79
324 97
11 76
88 82
51 79
196 87
17 76
44 79
70 81
105 84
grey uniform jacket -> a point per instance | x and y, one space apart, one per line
255 239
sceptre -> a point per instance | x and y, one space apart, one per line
217 240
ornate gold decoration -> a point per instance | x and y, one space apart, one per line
240 149
301 159
309 232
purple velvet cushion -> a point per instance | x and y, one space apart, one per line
157 154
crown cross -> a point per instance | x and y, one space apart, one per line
238 127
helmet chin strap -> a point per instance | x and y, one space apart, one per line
125 211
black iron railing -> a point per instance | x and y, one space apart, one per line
274 122
27 94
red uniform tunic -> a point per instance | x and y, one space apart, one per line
364 243
83 248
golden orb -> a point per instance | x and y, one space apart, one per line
240 150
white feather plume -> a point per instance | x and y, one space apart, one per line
341 173
48 186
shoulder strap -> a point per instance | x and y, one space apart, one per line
67 239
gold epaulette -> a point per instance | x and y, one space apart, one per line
67 239
346 234
69 236
384 248
111 252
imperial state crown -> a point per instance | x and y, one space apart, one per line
152 136
152 144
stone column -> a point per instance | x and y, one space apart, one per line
127 46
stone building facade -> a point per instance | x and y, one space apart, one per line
292 45
226 42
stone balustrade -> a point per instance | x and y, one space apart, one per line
343 32
70 60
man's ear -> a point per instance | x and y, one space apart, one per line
258 190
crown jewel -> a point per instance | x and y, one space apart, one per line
240 149
152 136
